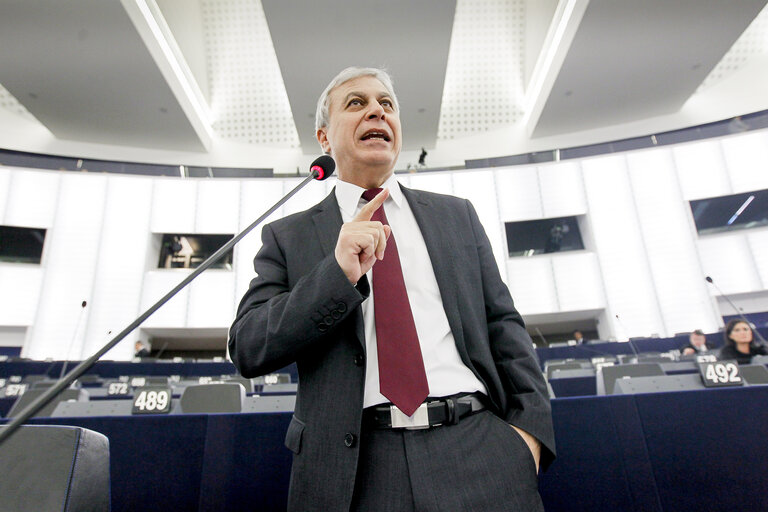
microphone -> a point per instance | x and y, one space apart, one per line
72 341
629 339
160 352
322 167
325 165
738 311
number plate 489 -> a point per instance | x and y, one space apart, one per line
720 373
151 400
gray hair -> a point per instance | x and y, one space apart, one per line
321 116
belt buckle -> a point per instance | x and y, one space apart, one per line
419 419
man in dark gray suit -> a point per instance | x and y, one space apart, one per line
476 441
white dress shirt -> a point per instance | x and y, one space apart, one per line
446 373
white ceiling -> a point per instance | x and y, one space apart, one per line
185 76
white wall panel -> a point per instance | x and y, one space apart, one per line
480 188
519 195
70 263
256 197
120 269
701 169
5 186
758 243
173 206
727 258
562 190
19 293
747 159
619 243
532 285
217 207
669 239
438 182
312 193
210 303
12 336
157 283
32 197
577 281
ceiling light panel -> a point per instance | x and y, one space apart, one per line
248 99
753 42
10 103
484 87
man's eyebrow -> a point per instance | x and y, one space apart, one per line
353 94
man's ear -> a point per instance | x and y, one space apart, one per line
322 138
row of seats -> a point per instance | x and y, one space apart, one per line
639 373
94 396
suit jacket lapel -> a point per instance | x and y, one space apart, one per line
439 241
327 219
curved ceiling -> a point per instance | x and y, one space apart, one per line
185 75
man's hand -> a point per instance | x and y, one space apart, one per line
362 241
688 351
533 444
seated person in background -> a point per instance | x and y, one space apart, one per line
140 350
697 344
739 343
579 337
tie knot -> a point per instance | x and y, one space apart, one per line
371 193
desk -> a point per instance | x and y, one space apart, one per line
691 450
115 369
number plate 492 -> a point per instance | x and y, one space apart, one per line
720 373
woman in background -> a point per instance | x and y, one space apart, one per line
738 343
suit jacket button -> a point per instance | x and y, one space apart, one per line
349 440
359 360
322 328
341 307
328 321
335 314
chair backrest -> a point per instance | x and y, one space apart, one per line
55 469
272 403
32 394
569 373
552 368
754 374
217 397
607 375
660 384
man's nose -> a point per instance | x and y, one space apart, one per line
375 110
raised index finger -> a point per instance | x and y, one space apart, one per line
369 209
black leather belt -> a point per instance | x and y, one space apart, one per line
432 413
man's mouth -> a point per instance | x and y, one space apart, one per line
375 134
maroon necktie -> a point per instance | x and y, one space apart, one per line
402 378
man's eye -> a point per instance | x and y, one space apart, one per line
387 103
355 101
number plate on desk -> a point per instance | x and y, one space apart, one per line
720 374
152 400
15 389
118 388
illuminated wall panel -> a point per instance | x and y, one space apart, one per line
122 261
70 266
619 244
669 242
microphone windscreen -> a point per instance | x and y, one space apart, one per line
322 167
709 279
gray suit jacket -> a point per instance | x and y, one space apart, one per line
302 308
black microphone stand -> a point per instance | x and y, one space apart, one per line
738 312
319 170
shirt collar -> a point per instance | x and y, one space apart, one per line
349 196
